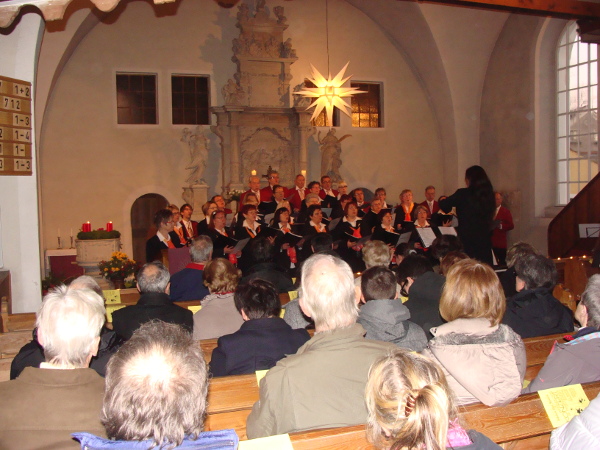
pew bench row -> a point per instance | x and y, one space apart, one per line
522 424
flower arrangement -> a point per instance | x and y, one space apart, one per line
119 266
233 195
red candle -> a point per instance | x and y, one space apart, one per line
88 226
109 226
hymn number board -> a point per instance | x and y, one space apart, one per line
15 127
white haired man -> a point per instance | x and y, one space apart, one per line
187 284
154 303
156 387
323 384
44 405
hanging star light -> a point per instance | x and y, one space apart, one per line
329 93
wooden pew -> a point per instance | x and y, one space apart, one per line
14 322
565 296
522 424
239 392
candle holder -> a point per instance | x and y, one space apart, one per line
72 242
59 242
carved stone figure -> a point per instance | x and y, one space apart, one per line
243 13
286 49
331 154
299 100
198 147
278 11
233 94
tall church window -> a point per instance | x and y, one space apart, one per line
577 114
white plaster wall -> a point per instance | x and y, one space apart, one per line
93 169
19 241
465 38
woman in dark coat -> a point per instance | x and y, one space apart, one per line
263 338
475 206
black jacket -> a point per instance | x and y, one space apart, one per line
150 306
257 345
535 312
270 271
32 353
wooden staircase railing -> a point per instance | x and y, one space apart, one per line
563 231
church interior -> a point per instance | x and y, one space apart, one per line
458 85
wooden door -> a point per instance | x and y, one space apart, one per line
142 214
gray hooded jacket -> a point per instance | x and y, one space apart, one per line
387 320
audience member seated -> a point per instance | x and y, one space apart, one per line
441 246
483 360
32 353
164 238
384 316
218 315
508 278
581 432
156 388
187 284
411 406
42 407
375 254
423 287
534 311
450 259
577 361
154 303
263 338
262 253
323 384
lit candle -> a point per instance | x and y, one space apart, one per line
109 226
253 173
88 226
303 172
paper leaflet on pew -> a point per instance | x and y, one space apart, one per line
278 442
563 403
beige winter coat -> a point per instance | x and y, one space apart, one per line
482 363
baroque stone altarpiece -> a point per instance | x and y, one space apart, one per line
257 126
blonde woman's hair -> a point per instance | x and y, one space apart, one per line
472 290
221 276
409 402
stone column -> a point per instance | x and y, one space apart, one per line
234 133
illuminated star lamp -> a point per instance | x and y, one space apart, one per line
329 93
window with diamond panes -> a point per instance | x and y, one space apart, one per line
136 98
366 107
577 114
190 99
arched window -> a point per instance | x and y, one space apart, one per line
577 113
